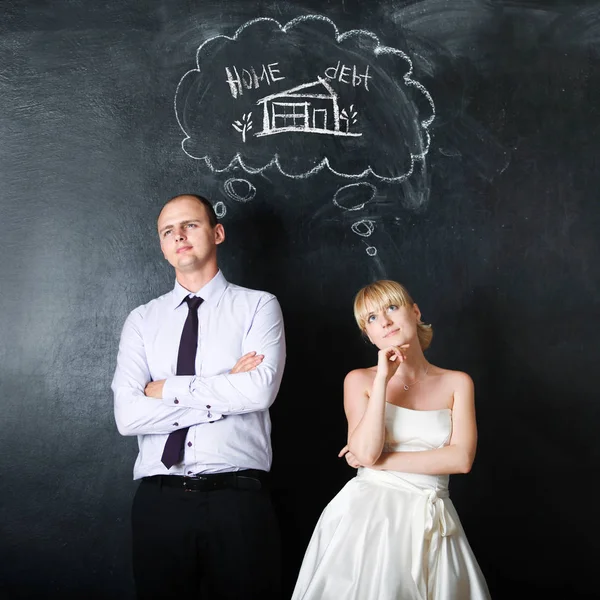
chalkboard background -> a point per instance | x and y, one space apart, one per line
474 181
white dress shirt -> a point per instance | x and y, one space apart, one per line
228 415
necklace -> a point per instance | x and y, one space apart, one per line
406 386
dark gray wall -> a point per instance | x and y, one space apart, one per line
495 233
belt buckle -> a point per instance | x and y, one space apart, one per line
188 482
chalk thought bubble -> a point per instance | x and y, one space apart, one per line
303 97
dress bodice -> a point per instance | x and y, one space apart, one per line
410 430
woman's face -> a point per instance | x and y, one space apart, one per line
392 325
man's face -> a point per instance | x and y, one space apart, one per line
187 239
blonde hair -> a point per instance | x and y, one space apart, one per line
381 294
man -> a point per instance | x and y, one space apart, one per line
197 370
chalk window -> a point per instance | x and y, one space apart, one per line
290 114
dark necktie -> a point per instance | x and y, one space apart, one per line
186 365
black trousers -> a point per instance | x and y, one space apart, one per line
210 545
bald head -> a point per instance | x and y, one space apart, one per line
210 211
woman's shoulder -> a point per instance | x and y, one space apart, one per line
458 380
358 383
363 374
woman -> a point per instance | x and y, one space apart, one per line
392 533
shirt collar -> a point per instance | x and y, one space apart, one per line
210 292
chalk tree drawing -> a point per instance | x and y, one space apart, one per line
244 126
349 118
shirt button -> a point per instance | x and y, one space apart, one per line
208 406
189 444
175 424
176 401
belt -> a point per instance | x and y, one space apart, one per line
249 479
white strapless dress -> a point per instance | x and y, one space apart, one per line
390 535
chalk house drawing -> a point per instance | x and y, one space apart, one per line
299 109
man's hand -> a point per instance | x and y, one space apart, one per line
155 389
350 458
248 362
